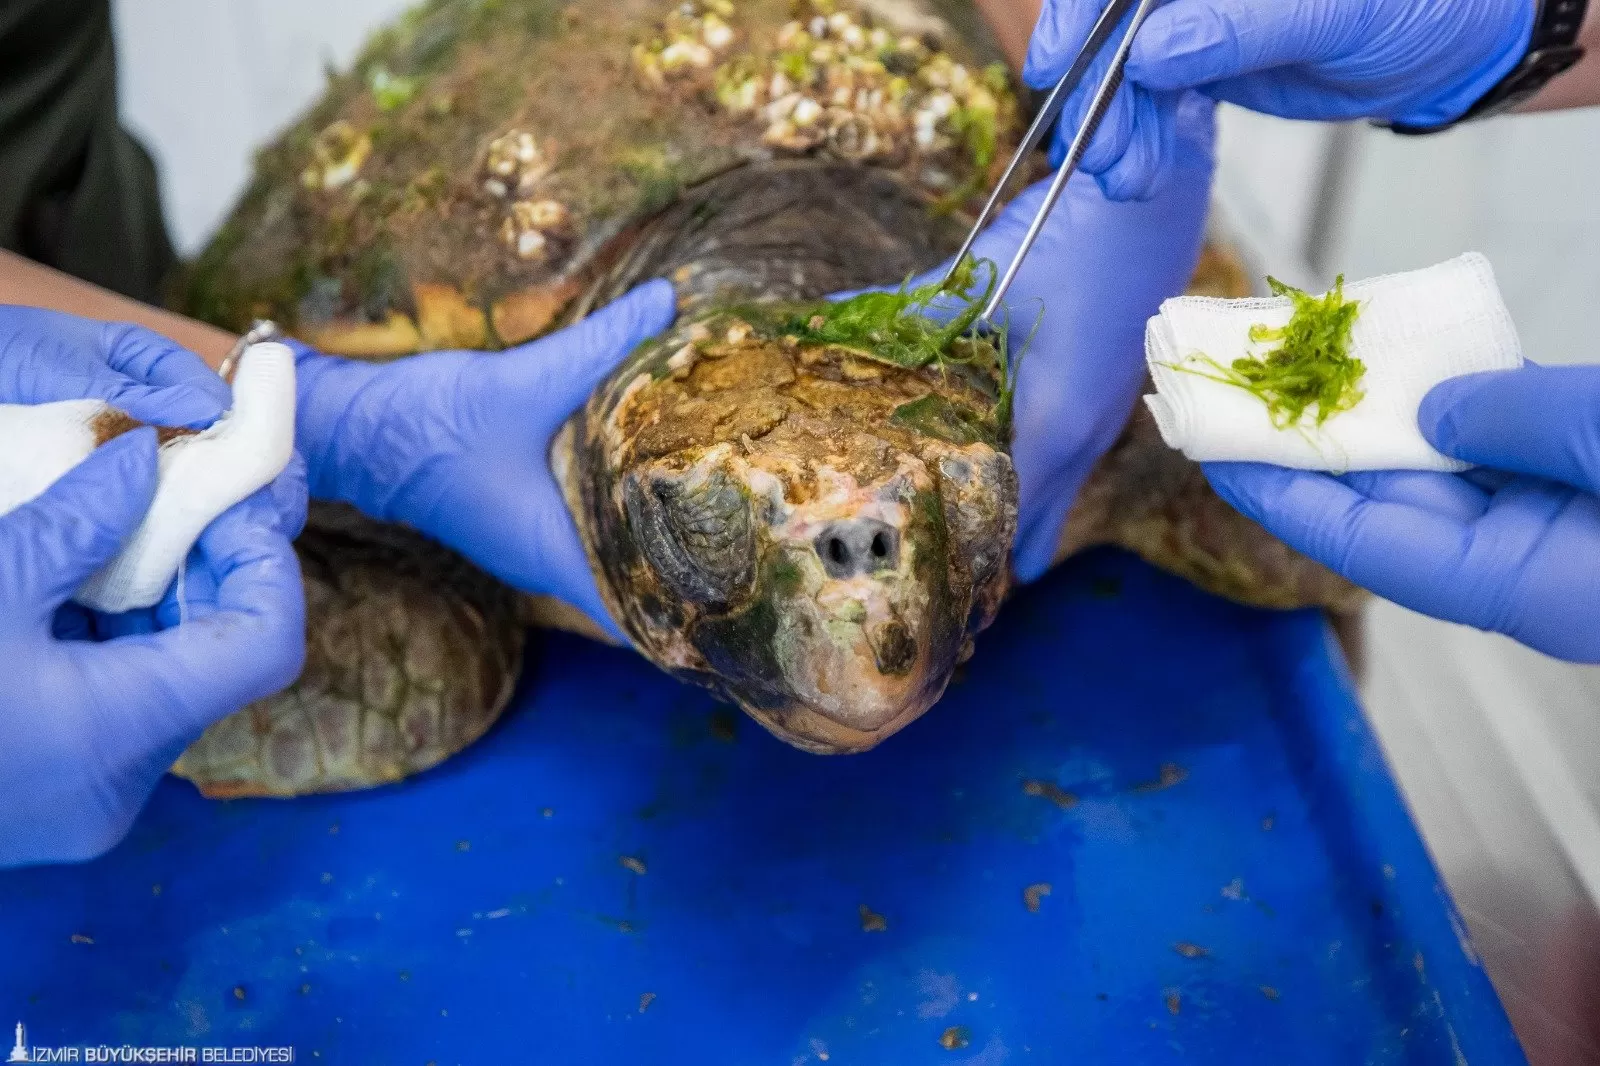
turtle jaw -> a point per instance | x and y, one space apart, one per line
857 662
852 634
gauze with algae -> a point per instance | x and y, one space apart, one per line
1413 331
200 475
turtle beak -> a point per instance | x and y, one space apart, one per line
857 646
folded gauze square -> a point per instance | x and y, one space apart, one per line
1413 331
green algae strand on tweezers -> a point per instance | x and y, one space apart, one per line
1310 372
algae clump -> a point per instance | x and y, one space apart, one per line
1311 369
929 325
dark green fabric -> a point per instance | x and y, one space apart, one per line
77 192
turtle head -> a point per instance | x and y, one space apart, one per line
831 593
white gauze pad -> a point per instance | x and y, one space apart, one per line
200 475
1414 330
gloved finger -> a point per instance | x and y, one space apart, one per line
152 359
289 497
561 370
1144 167
51 544
1490 481
1189 43
196 597
1110 141
1445 494
168 405
47 357
1043 511
1411 555
251 646
570 563
1057 39
1539 420
532 546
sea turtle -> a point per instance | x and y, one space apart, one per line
784 501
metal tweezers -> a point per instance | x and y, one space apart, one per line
1107 24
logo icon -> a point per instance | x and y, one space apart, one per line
19 1052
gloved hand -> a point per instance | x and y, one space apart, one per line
1421 62
456 444
47 356
1098 271
88 725
1514 548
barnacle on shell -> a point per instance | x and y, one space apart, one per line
513 165
835 83
338 153
530 224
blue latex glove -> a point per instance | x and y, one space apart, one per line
98 706
47 356
1514 548
88 725
1421 62
1098 272
456 444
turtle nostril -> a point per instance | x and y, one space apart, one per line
857 546
838 552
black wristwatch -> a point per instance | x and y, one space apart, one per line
1552 50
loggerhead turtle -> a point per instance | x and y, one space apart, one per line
780 500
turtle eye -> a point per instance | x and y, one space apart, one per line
696 530
978 490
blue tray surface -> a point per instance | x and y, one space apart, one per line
1231 876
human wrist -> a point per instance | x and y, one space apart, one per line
1580 86
1451 102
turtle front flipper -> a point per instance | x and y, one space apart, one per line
1149 499
411 655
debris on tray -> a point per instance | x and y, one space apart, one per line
1171 774
630 863
645 1000
1269 991
872 921
1049 790
81 938
1174 1001
1190 951
1033 894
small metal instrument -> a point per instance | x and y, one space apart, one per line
1099 37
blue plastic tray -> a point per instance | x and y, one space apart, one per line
1274 905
